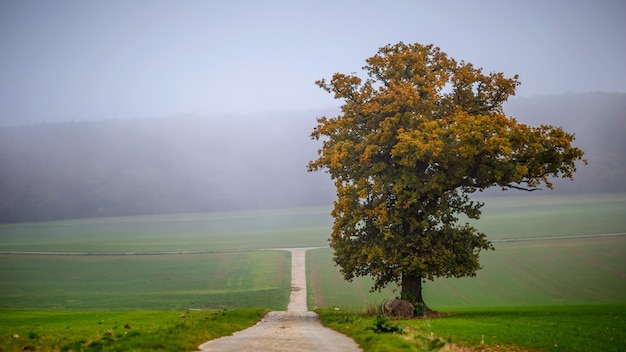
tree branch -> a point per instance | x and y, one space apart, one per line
521 188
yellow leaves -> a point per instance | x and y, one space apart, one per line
370 108
424 143
344 86
369 152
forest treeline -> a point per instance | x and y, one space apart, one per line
193 163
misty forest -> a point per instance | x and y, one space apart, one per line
193 163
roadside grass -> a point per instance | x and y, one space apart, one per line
544 328
361 328
146 282
22 330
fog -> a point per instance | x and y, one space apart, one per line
598 121
191 163
91 60
144 107
150 166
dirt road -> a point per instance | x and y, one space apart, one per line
297 329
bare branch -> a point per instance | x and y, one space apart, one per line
521 188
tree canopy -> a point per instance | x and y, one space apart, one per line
414 139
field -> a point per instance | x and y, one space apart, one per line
146 282
529 266
156 262
565 251
119 331
550 285
576 271
572 328
207 232
521 271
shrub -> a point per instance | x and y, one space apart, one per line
381 325
420 309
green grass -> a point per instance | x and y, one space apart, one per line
537 272
360 328
532 294
517 273
231 274
299 227
539 215
146 282
327 288
576 271
114 331
503 217
546 328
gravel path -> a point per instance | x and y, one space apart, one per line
297 329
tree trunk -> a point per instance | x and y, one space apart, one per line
412 290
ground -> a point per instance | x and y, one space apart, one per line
297 329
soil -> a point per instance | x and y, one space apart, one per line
297 329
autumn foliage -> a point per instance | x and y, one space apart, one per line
414 140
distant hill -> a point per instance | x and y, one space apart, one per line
150 166
206 163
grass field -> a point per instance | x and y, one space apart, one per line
146 282
526 272
115 331
576 271
300 227
578 328
563 271
547 328
544 215
226 274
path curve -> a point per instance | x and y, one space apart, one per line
297 329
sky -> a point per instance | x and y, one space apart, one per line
72 60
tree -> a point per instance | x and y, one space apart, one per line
413 141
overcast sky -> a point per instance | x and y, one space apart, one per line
75 60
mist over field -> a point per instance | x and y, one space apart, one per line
147 107
195 163
147 166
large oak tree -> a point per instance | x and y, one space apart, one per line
413 141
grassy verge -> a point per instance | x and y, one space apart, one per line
115 331
362 328
545 328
